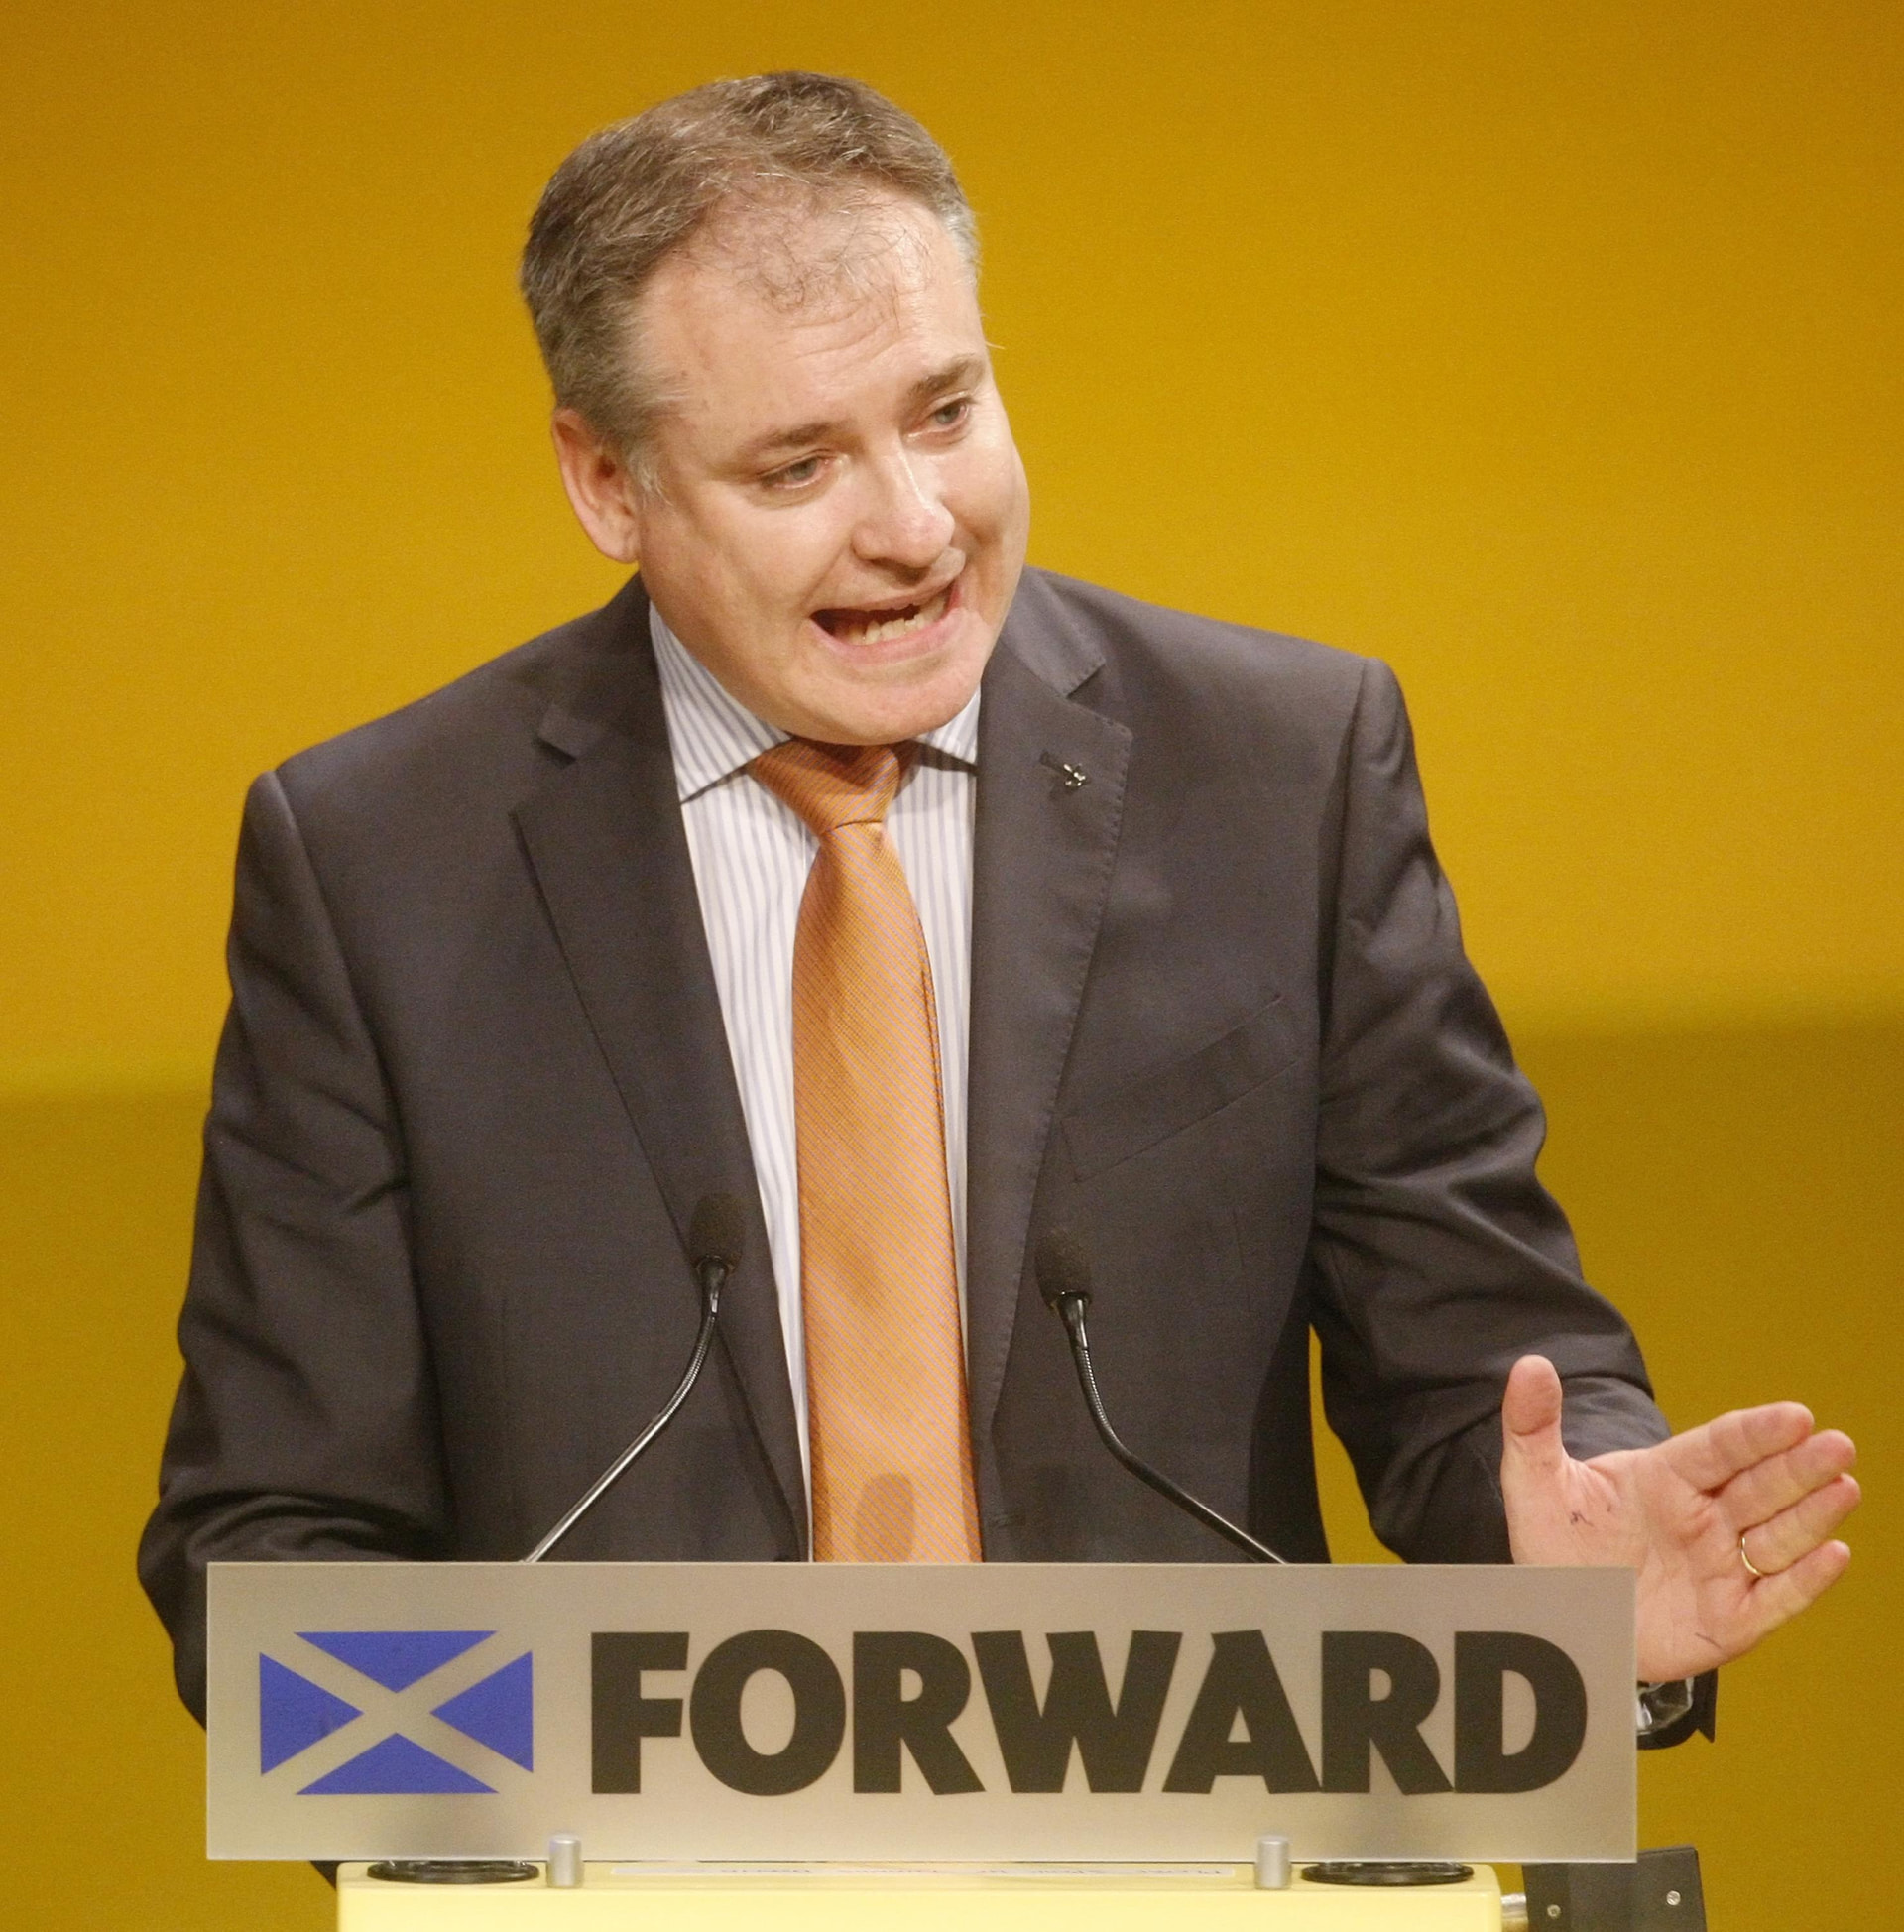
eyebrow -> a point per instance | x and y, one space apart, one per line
959 373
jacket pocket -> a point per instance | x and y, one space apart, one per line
1163 1103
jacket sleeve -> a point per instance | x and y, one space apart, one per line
305 1423
1437 1258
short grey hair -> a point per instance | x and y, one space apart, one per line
632 194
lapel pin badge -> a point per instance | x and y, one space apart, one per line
1072 776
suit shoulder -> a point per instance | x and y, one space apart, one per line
1152 652
479 729
1198 646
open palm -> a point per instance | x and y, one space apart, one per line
1758 1490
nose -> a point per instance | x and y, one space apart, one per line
903 523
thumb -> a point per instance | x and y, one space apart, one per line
1531 1448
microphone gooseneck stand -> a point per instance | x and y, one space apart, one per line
714 1241
1064 1270
710 1285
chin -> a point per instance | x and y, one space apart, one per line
889 717
906 703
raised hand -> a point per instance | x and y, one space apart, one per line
1729 1527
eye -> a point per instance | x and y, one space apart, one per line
949 415
793 475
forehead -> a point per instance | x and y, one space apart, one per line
780 310
797 249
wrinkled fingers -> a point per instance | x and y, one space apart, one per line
1758 1494
1712 1455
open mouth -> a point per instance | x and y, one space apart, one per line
883 625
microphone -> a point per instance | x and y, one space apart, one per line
1064 1270
716 1237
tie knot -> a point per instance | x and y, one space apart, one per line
831 785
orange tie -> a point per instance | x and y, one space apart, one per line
879 1285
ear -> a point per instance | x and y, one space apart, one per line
601 490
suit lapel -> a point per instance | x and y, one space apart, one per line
1042 851
604 838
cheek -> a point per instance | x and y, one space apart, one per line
748 571
986 492
779 560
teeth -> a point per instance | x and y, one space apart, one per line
881 631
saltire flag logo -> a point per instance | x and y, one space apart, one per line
496 1711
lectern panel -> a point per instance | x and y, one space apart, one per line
907 1711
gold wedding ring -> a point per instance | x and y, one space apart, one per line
1747 1561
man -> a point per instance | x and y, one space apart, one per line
926 903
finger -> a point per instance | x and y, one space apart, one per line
1535 1466
1710 1457
1530 1420
1758 1494
1794 1533
1777 1599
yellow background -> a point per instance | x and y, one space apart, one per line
1549 352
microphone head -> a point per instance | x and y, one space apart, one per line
718 1231
1062 1266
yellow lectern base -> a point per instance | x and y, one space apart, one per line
934 1899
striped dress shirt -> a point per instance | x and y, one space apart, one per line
752 854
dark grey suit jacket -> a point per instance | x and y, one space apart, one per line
474 1079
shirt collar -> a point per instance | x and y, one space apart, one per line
713 736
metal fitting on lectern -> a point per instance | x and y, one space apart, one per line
1272 1864
564 1861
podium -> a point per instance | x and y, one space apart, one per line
908 1748
622 1899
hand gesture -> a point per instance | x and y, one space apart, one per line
1728 1527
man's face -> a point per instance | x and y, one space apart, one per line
840 514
